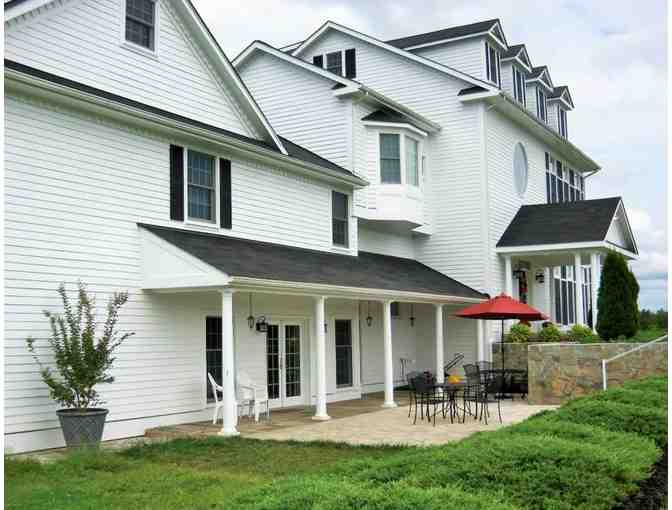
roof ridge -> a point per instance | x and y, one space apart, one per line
445 29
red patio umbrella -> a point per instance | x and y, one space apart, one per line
502 308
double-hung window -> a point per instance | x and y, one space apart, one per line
492 64
412 149
335 62
343 340
541 104
390 159
519 85
564 294
141 23
339 218
562 122
201 186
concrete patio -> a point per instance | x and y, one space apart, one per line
358 422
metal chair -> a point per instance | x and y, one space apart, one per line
425 389
479 385
412 401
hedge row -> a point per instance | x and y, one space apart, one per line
589 454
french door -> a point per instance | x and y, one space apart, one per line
284 367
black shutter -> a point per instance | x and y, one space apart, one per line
350 63
317 60
176 183
225 193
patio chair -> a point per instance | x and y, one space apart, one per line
252 396
426 392
477 390
218 403
411 390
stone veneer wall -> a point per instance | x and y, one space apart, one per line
560 372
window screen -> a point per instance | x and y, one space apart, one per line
339 212
140 21
390 164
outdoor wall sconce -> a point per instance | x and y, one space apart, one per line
369 319
518 274
250 318
539 277
262 325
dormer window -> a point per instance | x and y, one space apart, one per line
335 62
541 104
492 64
519 85
141 23
562 122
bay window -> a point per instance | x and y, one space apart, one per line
412 177
395 169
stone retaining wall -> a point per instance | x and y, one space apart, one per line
561 371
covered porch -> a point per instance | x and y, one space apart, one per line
551 256
313 328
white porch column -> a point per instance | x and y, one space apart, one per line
595 273
508 276
439 342
480 350
578 289
321 355
548 289
387 345
230 409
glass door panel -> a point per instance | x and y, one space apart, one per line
273 371
292 361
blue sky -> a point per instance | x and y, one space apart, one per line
612 55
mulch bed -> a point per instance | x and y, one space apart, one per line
652 493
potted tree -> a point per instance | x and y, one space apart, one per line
82 361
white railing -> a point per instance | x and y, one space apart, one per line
618 356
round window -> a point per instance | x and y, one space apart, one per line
520 169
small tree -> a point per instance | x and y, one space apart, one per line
615 301
82 361
634 310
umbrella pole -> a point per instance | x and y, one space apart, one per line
501 381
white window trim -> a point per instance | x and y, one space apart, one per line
565 179
560 130
498 82
523 91
402 158
340 247
538 91
141 50
196 221
324 61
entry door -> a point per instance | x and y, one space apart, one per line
283 364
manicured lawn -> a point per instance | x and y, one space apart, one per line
646 335
179 474
591 454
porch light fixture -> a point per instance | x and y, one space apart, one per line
539 276
412 317
250 318
518 274
262 325
369 319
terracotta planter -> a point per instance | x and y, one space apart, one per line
82 427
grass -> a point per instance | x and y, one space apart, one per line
646 335
591 454
184 473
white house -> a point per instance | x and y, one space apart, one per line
251 222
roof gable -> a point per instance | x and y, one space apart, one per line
542 75
518 52
586 221
69 39
330 25
561 93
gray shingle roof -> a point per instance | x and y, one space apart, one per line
446 33
568 222
513 51
244 258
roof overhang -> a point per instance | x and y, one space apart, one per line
564 249
508 106
168 269
491 34
330 25
396 125
155 120
349 87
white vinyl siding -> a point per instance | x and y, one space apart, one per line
454 158
466 55
83 41
316 119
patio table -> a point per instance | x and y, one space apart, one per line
451 390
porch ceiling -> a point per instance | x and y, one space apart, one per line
229 261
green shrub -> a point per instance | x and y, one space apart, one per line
634 397
531 470
519 333
616 299
328 493
550 333
648 384
582 334
645 421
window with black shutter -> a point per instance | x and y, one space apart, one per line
225 193
176 183
339 213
